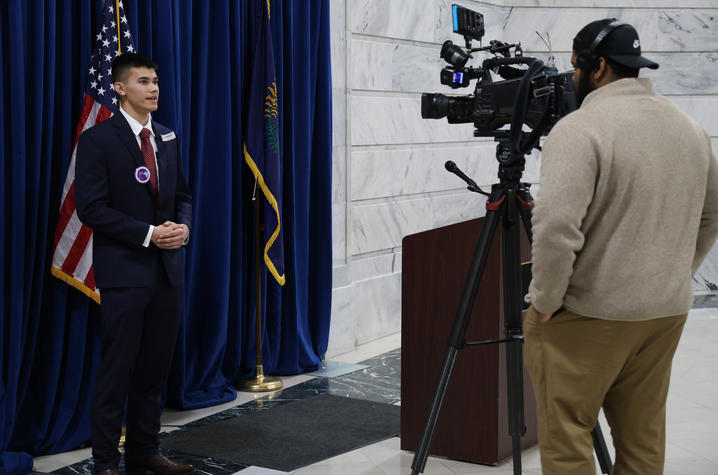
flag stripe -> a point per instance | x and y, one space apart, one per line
88 104
103 114
84 265
68 208
87 120
68 237
77 250
66 240
90 279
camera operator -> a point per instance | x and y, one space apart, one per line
626 212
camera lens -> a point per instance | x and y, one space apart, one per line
434 106
454 55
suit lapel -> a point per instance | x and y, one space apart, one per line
161 160
128 138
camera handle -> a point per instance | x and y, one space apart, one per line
498 47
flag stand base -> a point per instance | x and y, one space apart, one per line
260 383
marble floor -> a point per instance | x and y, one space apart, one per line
374 374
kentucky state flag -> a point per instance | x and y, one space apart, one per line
261 145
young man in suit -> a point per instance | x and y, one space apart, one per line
130 189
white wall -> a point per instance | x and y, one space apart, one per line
388 164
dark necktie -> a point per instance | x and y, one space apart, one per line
149 154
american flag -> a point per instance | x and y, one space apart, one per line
72 250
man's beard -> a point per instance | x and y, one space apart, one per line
584 88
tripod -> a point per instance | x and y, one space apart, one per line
509 202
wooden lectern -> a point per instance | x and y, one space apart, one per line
473 425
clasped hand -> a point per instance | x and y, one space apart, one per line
169 235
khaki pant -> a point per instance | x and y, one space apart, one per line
578 365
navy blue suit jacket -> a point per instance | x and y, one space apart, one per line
119 208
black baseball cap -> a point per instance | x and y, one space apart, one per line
620 45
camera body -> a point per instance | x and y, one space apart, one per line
490 107
538 95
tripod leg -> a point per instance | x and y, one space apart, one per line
599 445
515 394
456 339
527 204
511 267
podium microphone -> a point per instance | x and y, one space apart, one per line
451 166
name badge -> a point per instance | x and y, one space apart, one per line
168 137
142 174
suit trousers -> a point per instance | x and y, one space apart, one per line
139 331
579 364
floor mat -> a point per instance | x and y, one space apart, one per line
292 435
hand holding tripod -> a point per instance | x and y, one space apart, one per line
509 203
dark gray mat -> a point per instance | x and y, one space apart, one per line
292 435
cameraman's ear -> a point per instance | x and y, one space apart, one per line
601 72
598 72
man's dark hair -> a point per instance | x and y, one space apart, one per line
620 70
123 63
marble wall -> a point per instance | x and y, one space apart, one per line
388 163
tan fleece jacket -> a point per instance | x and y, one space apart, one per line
627 208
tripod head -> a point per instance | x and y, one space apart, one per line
511 162
511 165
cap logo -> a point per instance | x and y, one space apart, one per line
636 44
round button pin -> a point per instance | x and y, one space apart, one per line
142 174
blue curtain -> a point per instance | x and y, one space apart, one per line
50 332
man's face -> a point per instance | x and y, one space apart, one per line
141 90
581 82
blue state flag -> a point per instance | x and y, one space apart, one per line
261 145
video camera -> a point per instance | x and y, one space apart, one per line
536 96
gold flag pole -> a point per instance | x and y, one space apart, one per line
119 31
260 383
123 436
